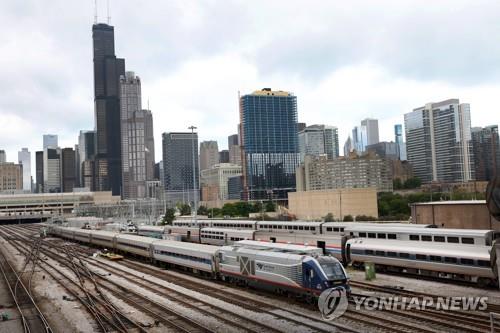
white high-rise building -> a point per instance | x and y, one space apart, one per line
50 141
318 140
365 135
438 142
3 156
136 139
24 158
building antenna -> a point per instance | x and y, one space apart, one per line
95 11
148 105
109 17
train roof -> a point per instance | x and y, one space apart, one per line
376 224
239 231
313 224
278 246
263 251
151 227
135 238
423 231
186 245
441 249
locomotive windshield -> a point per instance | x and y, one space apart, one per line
333 269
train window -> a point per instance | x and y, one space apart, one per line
371 235
313 228
280 227
404 255
483 263
369 252
391 236
384 236
295 227
301 228
450 260
274 226
435 258
336 229
467 240
380 253
392 254
306 228
439 238
421 257
465 261
329 229
415 237
426 238
352 233
341 229
452 239
362 234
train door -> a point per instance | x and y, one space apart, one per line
273 239
321 245
188 235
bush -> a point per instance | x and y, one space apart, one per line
348 218
329 218
169 216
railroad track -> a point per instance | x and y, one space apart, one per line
32 318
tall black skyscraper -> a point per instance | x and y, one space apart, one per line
107 71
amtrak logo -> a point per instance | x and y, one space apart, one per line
333 302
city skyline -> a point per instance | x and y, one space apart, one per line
364 87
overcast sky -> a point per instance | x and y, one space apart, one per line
344 60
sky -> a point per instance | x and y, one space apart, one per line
344 60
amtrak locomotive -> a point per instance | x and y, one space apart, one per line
293 270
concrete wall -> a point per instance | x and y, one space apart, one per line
462 216
314 205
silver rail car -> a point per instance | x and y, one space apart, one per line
221 236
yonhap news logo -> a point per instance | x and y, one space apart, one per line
333 303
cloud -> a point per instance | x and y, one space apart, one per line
344 61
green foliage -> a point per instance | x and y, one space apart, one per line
365 218
256 207
270 206
202 210
329 218
169 216
214 212
397 184
348 218
184 209
412 183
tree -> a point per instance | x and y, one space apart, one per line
214 212
185 209
169 216
329 218
397 184
202 210
412 183
270 206
348 218
365 218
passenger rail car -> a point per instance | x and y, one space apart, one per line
221 236
151 231
426 235
304 275
474 264
279 247
188 233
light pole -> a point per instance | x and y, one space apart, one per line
195 203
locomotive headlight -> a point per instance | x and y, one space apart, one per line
318 286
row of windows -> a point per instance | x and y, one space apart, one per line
289 227
375 235
133 245
233 225
424 257
442 239
212 237
330 229
208 232
235 239
183 256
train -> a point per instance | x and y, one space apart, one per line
299 272
458 254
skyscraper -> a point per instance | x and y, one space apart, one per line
68 169
486 147
317 140
365 135
107 71
371 126
438 142
178 166
50 141
24 157
233 145
52 170
136 139
3 156
39 171
269 139
209 154
398 138
86 151
224 156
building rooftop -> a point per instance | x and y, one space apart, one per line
452 202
